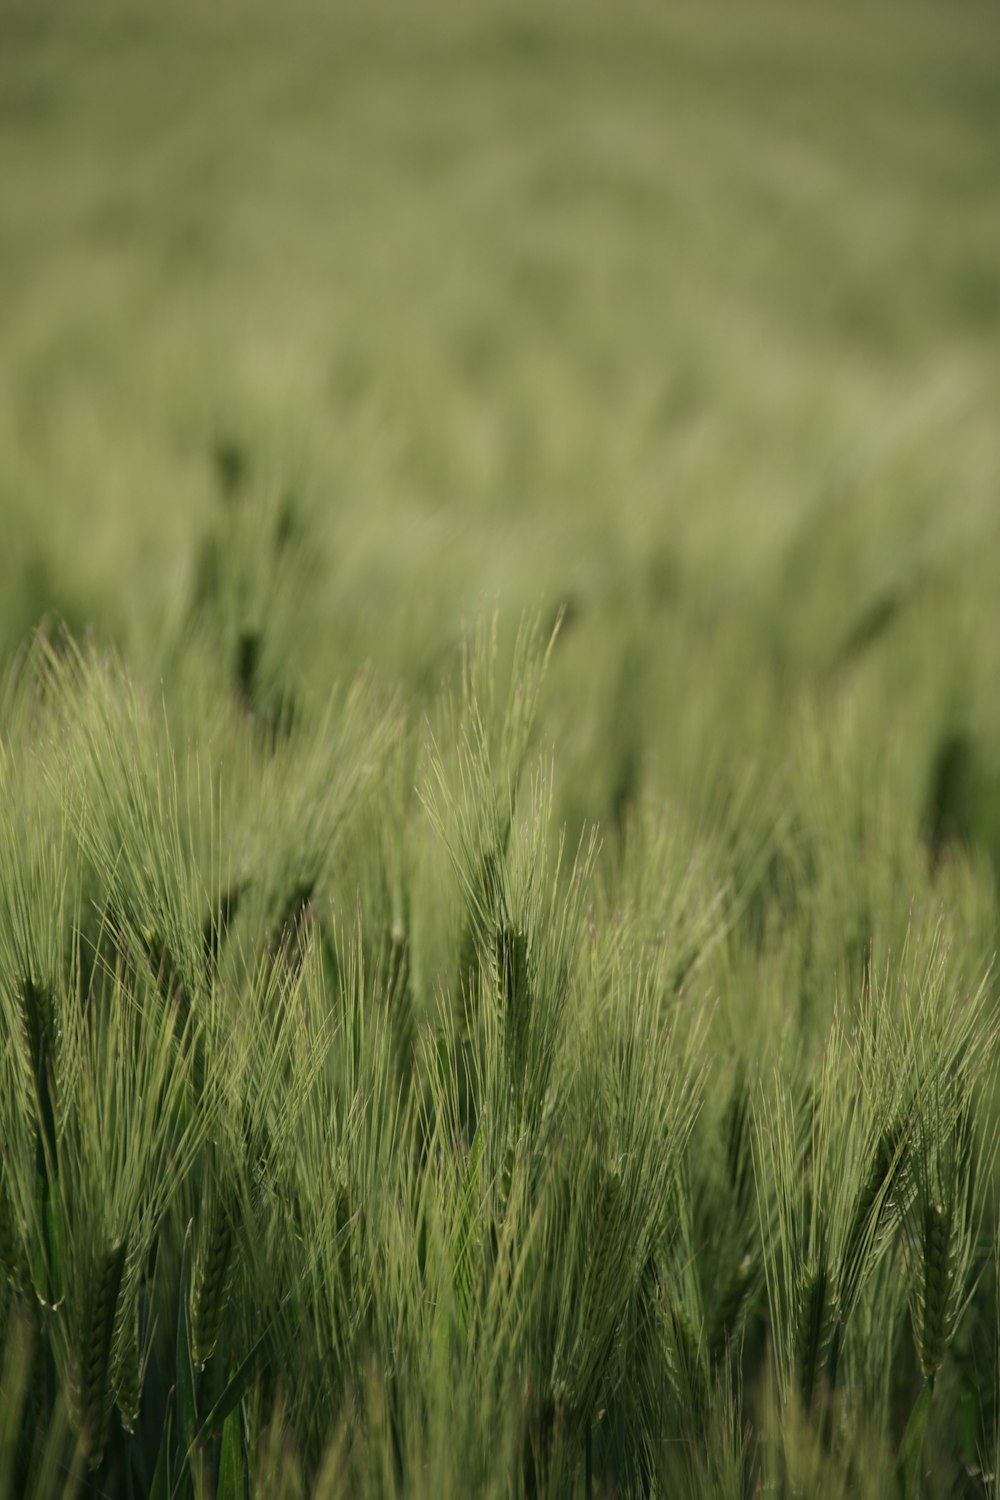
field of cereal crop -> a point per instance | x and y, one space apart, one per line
499 750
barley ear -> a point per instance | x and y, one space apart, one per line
211 1290
874 1212
89 1384
690 1376
815 1319
128 1369
735 1291
937 1274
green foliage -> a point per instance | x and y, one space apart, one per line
242 1238
552 1057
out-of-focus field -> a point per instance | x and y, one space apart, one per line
690 315
328 333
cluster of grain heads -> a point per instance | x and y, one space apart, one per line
498 1233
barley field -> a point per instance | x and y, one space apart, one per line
499 750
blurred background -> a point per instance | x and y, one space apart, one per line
683 319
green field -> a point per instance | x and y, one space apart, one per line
499 750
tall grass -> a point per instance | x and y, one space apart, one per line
540 1060
358 1136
